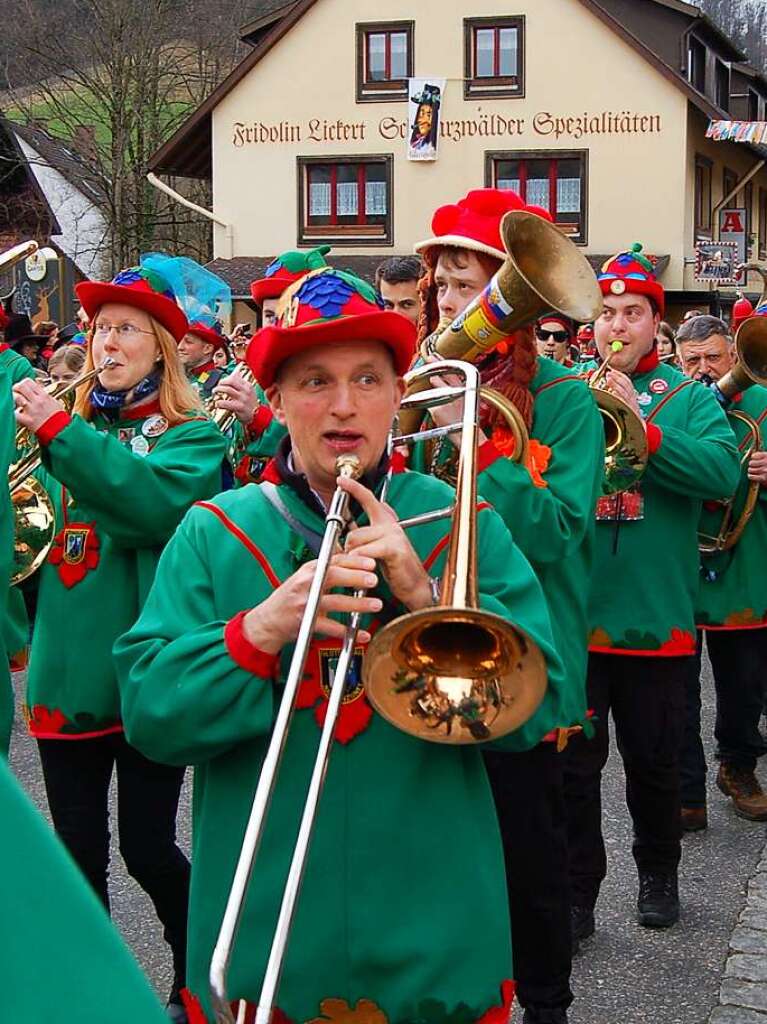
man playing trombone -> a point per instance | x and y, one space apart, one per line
399 915
732 596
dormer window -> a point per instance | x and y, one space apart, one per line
696 64
753 105
384 61
722 85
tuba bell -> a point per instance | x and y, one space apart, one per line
626 450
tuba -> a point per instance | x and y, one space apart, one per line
32 507
626 451
452 674
750 369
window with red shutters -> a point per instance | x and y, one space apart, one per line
384 60
555 180
494 57
345 199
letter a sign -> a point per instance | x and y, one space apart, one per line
732 228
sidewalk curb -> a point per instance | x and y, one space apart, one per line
743 992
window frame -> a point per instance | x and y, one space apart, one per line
499 87
722 72
696 47
703 163
494 157
392 90
307 234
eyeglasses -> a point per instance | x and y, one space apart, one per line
126 332
559 336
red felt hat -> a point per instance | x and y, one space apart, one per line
329 307
631 272
286 270
139 287
741 310
474 222
586 333
209 334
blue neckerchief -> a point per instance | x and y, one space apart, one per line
111 400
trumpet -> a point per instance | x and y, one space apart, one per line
34 516
626 451
224 418
449 674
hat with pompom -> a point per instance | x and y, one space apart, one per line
474 222
631 272
326 307
142 288
284 271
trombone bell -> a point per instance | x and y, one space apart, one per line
454 675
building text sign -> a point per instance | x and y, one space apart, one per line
544 124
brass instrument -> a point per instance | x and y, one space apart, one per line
224 418
544 271
16 254
750 369
33 511
626 450
452 674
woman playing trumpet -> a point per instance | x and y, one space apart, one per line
122 471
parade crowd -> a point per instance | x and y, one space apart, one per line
188 474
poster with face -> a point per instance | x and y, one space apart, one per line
425 100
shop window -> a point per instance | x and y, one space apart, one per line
702 197
722 85
494 59
762 223
696 64
345 200
556 181
384 61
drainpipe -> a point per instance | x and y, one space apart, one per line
228 228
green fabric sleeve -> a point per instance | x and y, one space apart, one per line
549 523
138 500
701 460
509 588
184 699
18 367
62 958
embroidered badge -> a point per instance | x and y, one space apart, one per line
618 287
658 385
355 713
139 445
643 398
626 507
154 426
75 552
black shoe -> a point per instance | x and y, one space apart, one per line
174 1009
544 1015
658 901
581 925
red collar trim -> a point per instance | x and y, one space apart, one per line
648 362
205 368
139 412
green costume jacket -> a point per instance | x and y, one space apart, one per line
403 902
733 584
119 491
260 442
16 366
549 509
7 454
645 574
51 917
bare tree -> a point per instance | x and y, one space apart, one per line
114 80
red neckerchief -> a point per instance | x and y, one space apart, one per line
647 362
205 368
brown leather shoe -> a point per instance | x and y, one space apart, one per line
747 795
694 819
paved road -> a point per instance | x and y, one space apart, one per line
626 974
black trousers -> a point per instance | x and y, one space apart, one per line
77 775
646 697
529 799
739 662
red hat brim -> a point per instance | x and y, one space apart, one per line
634 286
209 335
95 294
272 346
271 287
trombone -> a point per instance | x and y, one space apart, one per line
626 451
34 516
449 674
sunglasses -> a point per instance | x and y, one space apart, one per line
558 336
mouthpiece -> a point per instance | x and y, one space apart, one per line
348 466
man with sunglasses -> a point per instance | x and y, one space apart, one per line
554 338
